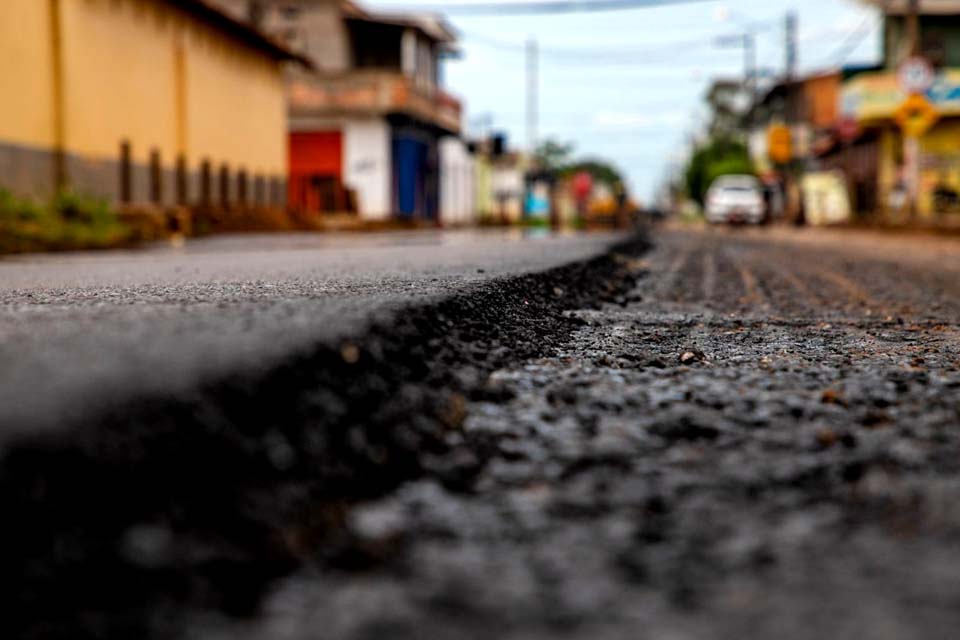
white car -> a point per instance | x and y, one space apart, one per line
734 199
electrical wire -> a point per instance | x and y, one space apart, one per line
653 54
545 6
853 41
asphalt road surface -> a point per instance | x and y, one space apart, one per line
767 445
82 332
738 433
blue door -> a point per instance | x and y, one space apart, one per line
409 157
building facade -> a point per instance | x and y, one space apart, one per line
366 125
169 102
458 188
871 99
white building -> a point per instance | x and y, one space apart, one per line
457 183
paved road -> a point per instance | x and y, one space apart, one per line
766 446
81 331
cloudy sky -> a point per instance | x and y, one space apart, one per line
628 85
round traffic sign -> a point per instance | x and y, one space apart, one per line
916 75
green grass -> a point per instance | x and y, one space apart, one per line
69 221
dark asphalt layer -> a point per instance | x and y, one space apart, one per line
81 332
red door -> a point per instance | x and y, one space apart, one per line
316 157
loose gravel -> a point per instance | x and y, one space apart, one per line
762 440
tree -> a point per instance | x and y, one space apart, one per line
557 158
552 155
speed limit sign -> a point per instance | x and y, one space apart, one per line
916 75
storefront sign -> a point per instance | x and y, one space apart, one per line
877 95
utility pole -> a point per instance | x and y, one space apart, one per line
788 173
533 90
750 73
790 35
911 143
750 64
913 27
747 42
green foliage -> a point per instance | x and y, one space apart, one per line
552 155
715 158
77 207
14 209
558 157
69 221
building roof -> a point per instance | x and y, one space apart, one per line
222 21
433 27
927 7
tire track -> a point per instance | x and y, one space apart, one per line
666 290
851 294
709 280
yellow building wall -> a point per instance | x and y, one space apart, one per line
118 78
236 108
940 164
139 71
888 168
26 80
940 149
124 81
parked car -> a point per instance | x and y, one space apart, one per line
736 199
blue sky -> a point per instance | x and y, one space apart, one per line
628 85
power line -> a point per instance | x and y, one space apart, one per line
546 6
854 40
579 53
653 54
